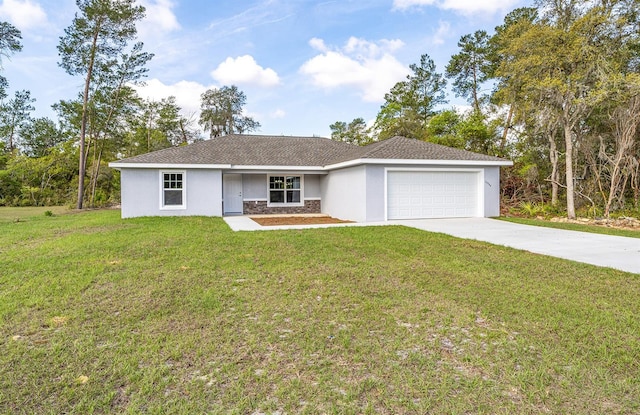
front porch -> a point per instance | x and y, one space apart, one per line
291 193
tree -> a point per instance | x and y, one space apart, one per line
355 132
471 131
221 112
9 40
425 88
442 129
508 88
97 35
553 61
9 44
15 115
411 103
44 180
478 133
470 67
157 125
39 136
177 128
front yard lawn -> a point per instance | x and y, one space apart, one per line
182 315
16 214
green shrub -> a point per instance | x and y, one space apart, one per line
531 209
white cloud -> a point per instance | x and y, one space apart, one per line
367 66
159 18
461 6
187 93
24 14
407 4
318 44
245 70
442 33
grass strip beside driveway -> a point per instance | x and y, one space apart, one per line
602 230
181 315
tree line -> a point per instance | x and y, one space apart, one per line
555 88
51 162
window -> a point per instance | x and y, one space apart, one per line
285 189
173 190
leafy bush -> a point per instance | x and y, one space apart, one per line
531 209
539 209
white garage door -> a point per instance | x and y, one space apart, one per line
432 194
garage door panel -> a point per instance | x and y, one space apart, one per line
432 194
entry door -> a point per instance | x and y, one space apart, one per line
232 193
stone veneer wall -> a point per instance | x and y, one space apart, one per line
261 208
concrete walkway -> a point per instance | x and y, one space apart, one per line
603 250
245 223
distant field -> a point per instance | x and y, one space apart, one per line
11 214
181 315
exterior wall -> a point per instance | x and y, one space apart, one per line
260 208
140 193
344 194
312 186
376 197
359 193
356 193
491 192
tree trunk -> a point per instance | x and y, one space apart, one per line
94 182
11 144
635 181
82 164
183 132
476 101
626 125
568 140
507 126
553 158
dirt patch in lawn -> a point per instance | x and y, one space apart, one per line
296 220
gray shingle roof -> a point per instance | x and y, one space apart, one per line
408 148
262 150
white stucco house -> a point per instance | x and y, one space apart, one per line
398 178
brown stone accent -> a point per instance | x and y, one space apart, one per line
261 208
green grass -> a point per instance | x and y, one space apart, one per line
181 315
16 214
630 233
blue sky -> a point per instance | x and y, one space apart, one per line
302 64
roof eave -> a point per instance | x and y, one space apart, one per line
348 163
414 162
118 165
275 167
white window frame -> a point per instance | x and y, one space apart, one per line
285 204
184 190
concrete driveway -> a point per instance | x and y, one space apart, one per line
603 250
